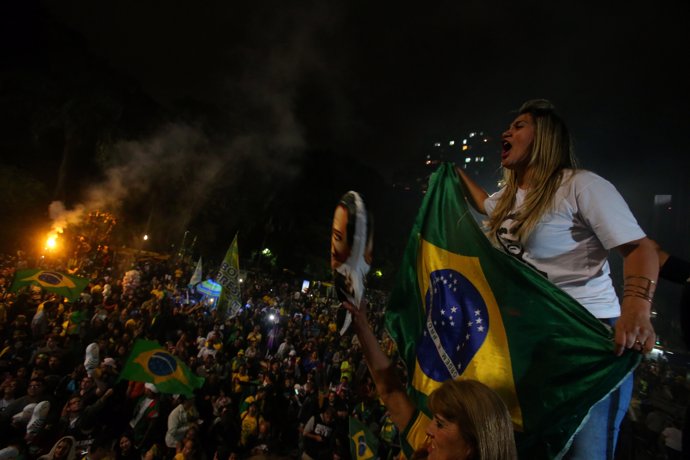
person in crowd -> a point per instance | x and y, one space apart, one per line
180 420
153 453
240 381
35 393
106 375
189 450
310 403
284 348
333 369
333 400
145 416
255 336
55 369
258 398
346 369
211 346
100 449
250 425
125 449
64 449
88 391
51 347
318 436
80 420
311 362
265 443
389 436
8 388
224 433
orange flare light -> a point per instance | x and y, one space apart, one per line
51 242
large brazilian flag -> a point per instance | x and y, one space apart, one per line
52 281
462 309
150 362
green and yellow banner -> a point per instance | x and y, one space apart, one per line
229 302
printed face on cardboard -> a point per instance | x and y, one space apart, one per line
351 250
340 247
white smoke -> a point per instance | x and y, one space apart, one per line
264 131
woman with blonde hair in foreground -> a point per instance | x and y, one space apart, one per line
470 421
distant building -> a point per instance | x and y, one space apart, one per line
664 219
477 153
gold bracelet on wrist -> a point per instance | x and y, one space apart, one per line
639 286
650 282
638 289
636 294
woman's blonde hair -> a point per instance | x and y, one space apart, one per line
550 154
482 417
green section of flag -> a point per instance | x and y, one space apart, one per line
59 283
229 301
467 310
150 362
364 445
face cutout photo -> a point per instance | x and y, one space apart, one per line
352 240
340 246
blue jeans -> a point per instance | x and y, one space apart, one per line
597 438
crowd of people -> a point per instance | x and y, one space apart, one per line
280 380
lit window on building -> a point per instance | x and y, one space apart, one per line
437 144
468 159
451 143
464 147
473 134
464 142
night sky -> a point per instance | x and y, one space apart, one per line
144 97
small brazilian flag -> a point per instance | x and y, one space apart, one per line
149 362
462 309
65 285
363 443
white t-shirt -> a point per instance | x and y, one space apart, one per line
570 244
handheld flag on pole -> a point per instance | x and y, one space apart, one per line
196 276
364 445
65 285
462 309
229 302
150 362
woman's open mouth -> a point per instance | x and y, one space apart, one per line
506 148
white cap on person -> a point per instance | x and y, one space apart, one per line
151 387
